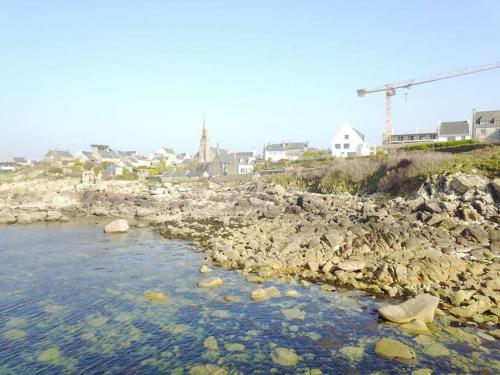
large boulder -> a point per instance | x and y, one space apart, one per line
394 350
7 218
422 307
495 186
24 218
53 216
463 183
117 226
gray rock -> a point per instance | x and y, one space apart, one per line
7 218
53 216
422 307
352 265
24 218
463 183
117 226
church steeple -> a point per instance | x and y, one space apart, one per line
204 151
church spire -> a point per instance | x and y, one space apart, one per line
204 151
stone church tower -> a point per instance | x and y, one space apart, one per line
204 154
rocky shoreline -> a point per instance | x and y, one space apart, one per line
444 240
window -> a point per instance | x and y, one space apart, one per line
346 136
346 145
412 138
337 146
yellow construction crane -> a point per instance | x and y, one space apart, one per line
390 90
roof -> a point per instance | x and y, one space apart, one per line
168 150
453 128
296 145
243 155
227 158
216 150
286 146
487 117
108 154
86 153
64 154
361 135
16 159
275 147
99 147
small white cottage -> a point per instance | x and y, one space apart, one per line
349 142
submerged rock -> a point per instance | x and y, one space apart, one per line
394 350
294 313
416 327
52 355
422 307
235 347
354 353
213 282
117 226
285 357
205 269
155 297
262 294
208 369
292 293
211 344
432 347
231 298
53 309
14 334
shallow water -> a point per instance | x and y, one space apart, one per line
72 301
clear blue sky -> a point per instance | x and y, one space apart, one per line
142 74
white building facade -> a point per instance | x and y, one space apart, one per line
350 142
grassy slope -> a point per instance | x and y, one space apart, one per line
399 172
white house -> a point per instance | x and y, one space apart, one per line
84 156
288 151
453 131
349 142
166 154
183 158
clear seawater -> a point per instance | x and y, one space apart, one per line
72 301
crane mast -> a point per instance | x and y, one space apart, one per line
390 90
